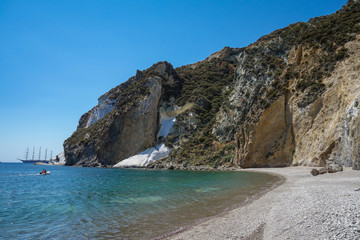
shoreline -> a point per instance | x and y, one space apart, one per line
280 180
302 206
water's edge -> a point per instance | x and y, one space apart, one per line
120 203
280 180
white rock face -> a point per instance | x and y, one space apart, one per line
61 161
105 106
146 157
348 153
155 153
166 126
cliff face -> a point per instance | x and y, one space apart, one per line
322 132
269 142
126 120
327 130
292 101
291 98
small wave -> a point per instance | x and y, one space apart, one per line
139 200
204 190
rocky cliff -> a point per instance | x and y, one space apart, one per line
291 98
126 120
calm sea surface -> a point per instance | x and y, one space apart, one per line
98 203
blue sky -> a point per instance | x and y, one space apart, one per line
58 57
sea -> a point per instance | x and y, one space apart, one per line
109 203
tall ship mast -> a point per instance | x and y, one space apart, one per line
32 160
27 153
39 153
45 154
33 155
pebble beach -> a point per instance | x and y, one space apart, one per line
303 207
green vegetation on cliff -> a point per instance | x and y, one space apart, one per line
318 45
205 85
328 35
237 85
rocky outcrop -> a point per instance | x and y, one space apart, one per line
291 98
269 142
327 130
130 127
333 168
314 79
349 145
58 160
254 75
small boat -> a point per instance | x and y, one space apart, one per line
45 173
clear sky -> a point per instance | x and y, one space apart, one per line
58 57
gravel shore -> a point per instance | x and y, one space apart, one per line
303 207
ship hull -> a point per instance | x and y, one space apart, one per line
34 161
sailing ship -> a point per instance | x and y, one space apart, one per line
33 160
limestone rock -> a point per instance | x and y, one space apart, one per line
329 128
268 143
290 98
333 168
132 125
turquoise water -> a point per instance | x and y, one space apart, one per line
99 203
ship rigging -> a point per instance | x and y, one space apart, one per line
33 160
